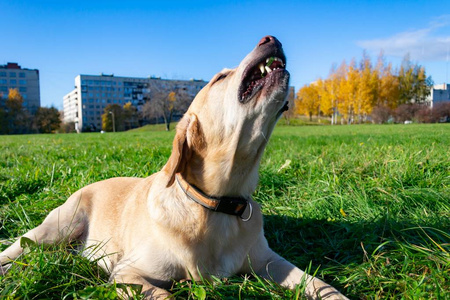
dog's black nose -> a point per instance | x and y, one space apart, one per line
269 40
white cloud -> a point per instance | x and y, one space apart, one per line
423 44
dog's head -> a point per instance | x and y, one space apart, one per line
220 140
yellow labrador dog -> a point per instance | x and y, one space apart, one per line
194 218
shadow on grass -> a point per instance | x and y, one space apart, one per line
345 253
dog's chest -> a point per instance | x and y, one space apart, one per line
221 251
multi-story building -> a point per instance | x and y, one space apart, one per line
439 93
86 103
26 81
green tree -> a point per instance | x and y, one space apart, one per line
414 85
47 120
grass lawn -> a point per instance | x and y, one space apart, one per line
365 207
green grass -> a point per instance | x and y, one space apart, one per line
366 206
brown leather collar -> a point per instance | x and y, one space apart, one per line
229 205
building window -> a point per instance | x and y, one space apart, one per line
2 74
12 81
3 81
22 82
22 89
12 74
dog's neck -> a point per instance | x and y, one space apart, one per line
222 176
229 205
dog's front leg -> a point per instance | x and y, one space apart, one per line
267 264
128 277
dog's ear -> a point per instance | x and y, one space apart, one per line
187 129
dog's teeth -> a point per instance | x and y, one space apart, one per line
279 60
267 60
268 69
261 68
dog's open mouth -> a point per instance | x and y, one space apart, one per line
256 76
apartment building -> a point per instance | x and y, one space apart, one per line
26 81
439 93
92 93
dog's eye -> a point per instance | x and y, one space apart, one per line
221 75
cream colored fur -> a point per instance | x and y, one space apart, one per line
149 231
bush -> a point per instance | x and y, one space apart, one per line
424 115
68 127
441 112
406 112
381 114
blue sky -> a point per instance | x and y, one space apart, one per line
196 39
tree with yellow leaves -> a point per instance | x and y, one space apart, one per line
348 91
389 92
368 89
17 119
307 101
354 91
324 90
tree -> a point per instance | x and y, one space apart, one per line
414 85
165 105
389 92
130 116
17 119
47 120
348 91
307 101
113 118
3 121
355 91
368 89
